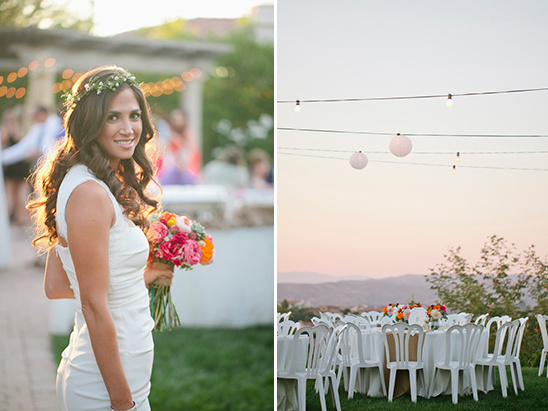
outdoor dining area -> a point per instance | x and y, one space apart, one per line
404 350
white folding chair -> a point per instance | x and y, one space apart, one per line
482 319
418 316
283 316
502 354
467 317
498 321
322 346
353 359
360 321
542 325
515 356
324 320
373 316
461 345
288 328
455 319
401 334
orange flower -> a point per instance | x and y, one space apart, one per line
166 217
151 253
400 315
207 249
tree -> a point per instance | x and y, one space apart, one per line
496 284
239 103
41 13
238 95
457 284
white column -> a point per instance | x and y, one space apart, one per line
5 243
192 103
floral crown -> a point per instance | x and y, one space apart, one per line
112 83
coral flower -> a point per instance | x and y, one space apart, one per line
207 249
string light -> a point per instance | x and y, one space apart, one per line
418 152
454 169
413 134
449 102
298 106
476 93
458 156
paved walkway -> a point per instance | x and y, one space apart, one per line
27 370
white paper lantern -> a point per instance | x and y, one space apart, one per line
358 160
400 145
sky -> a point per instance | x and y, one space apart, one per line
394 218
113 17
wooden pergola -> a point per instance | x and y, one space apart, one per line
81 52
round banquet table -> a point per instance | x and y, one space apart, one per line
368 380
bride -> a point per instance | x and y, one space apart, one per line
89 215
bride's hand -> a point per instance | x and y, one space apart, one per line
153 271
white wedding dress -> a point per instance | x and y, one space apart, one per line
80 386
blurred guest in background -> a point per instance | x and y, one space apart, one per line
181 161
40 139
15 175
228 170
261 175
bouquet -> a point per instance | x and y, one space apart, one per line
175 241
435 313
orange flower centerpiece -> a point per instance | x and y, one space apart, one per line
175 241
402 314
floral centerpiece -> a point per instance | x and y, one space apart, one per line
175 241
402 314
389 310
435 313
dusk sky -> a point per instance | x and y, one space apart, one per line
397 218
126 15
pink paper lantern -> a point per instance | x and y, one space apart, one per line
400 145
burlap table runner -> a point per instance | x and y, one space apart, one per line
402 384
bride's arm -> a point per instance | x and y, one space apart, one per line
90 215
56 282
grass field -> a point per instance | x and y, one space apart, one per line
535 397
209 369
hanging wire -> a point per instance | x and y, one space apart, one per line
416 152
316 130
478 93
420 164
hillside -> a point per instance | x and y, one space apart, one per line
370 292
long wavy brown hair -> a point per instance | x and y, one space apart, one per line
83 122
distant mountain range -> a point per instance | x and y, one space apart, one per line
321 289
314 278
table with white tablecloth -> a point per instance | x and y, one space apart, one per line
433 351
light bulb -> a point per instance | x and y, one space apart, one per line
449 101
458 156
454 169
298 106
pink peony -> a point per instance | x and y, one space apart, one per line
172 249
157 232
193 252
183 224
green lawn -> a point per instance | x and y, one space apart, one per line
210 369
535 397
